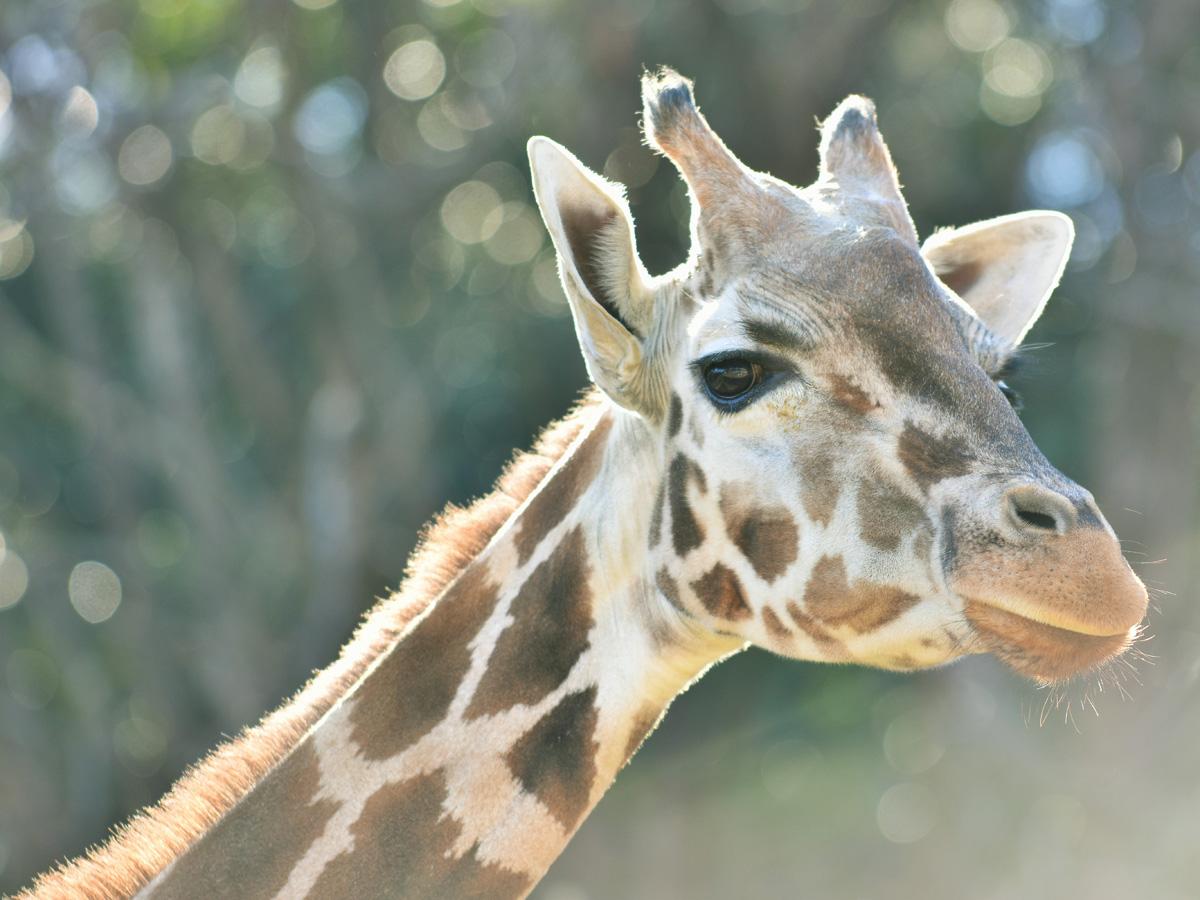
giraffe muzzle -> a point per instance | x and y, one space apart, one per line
1049 591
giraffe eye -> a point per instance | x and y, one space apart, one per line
1010 395
731 378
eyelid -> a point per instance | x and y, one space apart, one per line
776 371
769 361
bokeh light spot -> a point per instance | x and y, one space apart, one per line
908 746
261 78
145 156
415 70
331 116
1006 109
218 135
518 237
438 128
83 178
140 743
37 67
5 94
80 115
906 813
632 163
1076 21
467 212
16 248
977 25
14 579
115 233
1063 170
1017 68
95 591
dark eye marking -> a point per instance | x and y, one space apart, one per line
733 379
1011 395
1010 367
777 335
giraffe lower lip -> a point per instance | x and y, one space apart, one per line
1038 650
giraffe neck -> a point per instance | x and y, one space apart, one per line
464 760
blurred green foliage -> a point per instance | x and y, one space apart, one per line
272 290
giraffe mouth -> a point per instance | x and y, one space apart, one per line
1041 651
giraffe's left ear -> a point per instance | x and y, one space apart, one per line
1004 268
606 285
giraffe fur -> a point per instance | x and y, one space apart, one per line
868 497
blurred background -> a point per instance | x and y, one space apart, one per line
273 290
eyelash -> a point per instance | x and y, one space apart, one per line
774 373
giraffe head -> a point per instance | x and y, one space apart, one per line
843 474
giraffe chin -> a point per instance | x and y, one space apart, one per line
1043 652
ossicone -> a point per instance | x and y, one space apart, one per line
675 127
855 157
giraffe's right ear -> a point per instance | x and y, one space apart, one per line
607 288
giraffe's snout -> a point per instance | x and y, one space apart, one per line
1043 580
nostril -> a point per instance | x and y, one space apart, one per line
1035 510
1037 519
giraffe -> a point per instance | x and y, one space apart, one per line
800 438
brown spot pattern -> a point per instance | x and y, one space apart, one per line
552 615
656 516
556 759
260 841
774 624
686 532
886 514
560 494
863 606
814 629
850 396
766 535
819 487
929 458
401 844
419 693
721 593
669 588
643 724
183 818
674 416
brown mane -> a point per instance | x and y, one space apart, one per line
154 837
